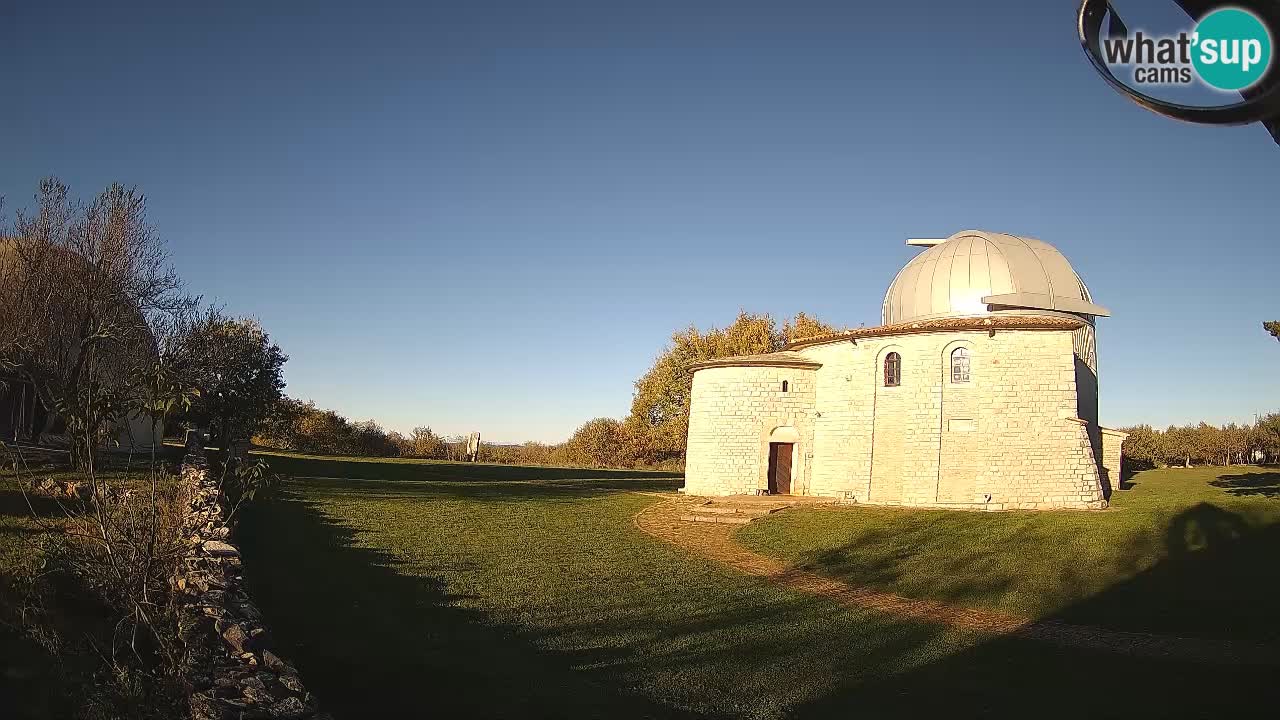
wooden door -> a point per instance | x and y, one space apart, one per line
780 468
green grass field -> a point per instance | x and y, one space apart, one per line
1181 551
406 589
34 683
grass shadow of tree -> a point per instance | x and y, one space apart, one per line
49 678
15 504
28 674
911 556
1215 581
375 638
372 639
1264 484
373 642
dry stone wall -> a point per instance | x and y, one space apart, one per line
231 671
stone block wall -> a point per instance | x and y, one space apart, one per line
734 410
1009 438
1006 439
1112 457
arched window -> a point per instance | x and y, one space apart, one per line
784 386
960 365
892 370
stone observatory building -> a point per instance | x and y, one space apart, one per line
978 391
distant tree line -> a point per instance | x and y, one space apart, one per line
302 427
651 436
1204 444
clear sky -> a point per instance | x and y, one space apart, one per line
491 215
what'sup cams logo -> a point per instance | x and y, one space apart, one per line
1228 48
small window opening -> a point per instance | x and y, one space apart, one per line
784 386
892 370
960 365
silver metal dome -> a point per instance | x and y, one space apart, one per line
975 273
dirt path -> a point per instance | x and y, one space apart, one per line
716 542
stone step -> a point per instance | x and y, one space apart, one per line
722 519
729 510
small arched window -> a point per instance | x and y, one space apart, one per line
892 370
784 386
960 365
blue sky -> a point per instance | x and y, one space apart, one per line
492 215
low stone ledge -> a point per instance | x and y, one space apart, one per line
229 669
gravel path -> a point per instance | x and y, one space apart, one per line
716 542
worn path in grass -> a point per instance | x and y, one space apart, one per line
465 591
716 542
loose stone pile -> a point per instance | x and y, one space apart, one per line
230 670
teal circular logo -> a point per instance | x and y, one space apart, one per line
1232 49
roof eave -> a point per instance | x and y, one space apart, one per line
754 362
946 324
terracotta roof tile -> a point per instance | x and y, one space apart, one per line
946 324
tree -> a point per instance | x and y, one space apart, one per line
371 439
659 421
660 407
598 443
1207 443
1269 436
165 383
1178 445
242 378
426 444
1273 328
81 286
1142 447
803 326
1232 439
279 429
323 431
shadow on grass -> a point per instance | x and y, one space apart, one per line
1213 577
372 642
13 504
1216 581
28 673
1012 678
372 639
1263 484
28 676
395 470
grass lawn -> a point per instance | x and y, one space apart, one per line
37 681
323 466
33 683
406 589
1184 551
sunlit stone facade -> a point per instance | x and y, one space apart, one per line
980 392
